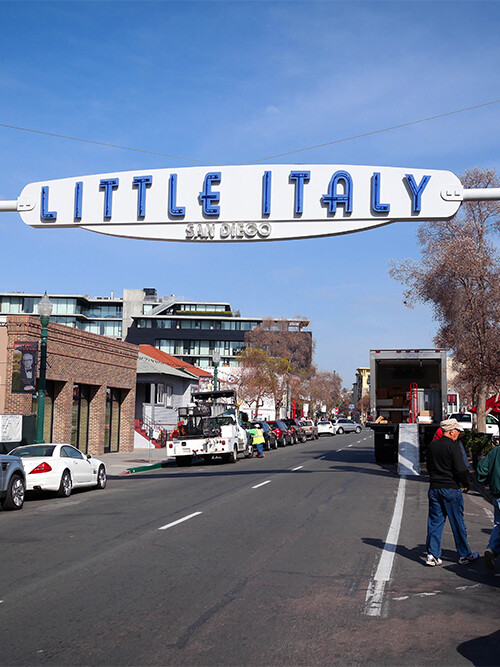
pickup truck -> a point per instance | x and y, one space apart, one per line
310 428
12 482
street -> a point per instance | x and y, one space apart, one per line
262 562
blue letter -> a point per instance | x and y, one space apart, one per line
266 193
332 197
376 205
417 191
300 177
142 183
46 215
78 200
173 209
207 196
109 184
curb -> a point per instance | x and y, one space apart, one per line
152 466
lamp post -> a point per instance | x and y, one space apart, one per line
216 360
45 311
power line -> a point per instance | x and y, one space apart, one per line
270 157
100 143
368 134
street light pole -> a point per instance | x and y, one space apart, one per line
216 360
44 310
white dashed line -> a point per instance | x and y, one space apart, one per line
174 523
297 468
261 484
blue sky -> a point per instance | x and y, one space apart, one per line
234 82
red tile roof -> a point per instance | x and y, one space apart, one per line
168 359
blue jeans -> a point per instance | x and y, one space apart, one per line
446 503
494 542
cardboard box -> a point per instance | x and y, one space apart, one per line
396 417
381 393
426 413
398 401
396 390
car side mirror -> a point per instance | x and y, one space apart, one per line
89 456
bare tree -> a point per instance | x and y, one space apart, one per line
459 276
323 388
278 341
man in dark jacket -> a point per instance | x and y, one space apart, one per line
488 472
448 475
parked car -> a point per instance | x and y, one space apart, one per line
60 468
298 431
310 428
283 434
325 427
343 425
465 420
12 482
271 441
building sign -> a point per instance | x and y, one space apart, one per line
24 368
241 203
11 428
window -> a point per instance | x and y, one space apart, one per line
160 394
169 390
112 421
80 417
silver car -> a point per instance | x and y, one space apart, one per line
343 425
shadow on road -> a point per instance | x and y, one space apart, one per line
482 651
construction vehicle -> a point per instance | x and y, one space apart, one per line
209 427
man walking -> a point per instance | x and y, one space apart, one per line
488 472
448 475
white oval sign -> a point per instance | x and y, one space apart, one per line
241 203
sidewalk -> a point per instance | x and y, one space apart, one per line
123 463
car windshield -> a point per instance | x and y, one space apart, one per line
38 450
462 418
325 423
307 423
273 425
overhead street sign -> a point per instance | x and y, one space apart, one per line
243 203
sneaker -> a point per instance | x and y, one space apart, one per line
469 559
489 558
433 561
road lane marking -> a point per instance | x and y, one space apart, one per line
375 591
338 450
433 593
297 468
320 458
488 513
174 523
261 484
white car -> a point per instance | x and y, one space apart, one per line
59 467
465 421
325 427
344 425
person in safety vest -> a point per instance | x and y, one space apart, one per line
258 440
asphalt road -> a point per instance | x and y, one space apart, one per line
264 562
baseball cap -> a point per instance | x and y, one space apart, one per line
450 425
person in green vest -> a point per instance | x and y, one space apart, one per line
258 440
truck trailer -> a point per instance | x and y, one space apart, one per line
406 387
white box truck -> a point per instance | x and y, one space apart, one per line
406 386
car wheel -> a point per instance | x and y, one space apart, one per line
340 430
101 478
275 443
249 452
233 457
14 500
65 486
358 430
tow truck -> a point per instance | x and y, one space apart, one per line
209 427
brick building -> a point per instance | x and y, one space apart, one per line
91 383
